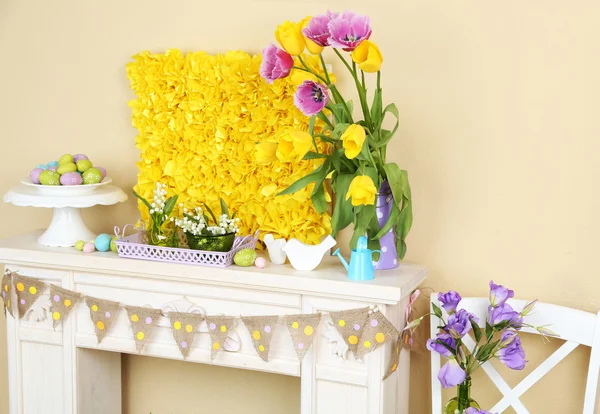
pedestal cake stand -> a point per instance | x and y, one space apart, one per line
67 224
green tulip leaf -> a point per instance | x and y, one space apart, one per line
170 205
224 209
311 155
342 210
390 223
142 199
303 182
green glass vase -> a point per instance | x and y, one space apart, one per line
463 400
164 235
220 243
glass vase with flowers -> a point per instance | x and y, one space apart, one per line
160 229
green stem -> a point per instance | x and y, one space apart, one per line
324 69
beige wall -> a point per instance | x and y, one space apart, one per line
499 108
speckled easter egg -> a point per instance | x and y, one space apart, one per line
48 177
52 169
89 247
245 257
79 157
260 262
103 242
113 245
102 170
65 159
84 165
42 166
53 164
92 176
34 175
79 245
71 178
66 168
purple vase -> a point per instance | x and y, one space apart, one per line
389 255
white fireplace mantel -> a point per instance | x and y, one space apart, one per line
66 372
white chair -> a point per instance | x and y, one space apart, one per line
574 326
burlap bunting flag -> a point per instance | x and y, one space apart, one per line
350 324
218 328
395 359
143 321
103 314
378 331
6 294
303 329
28 290
62 301
261 330
183 326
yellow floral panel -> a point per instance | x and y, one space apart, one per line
199 118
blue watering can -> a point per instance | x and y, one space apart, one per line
361 261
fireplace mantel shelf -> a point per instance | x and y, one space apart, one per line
65 371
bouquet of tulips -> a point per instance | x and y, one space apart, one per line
351 149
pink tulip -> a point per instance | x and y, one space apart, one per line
348 30
317 28
311 97
276 63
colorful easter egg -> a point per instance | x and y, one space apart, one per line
113 245
65 159
34 175
52 169
49 177
260 262
103 242
92 176
245 257
66 168
102 170
42 166
84 165
53 164
79 157
89 247
71 178
79 245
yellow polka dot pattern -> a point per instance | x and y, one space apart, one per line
6 288
32 290
68 303
379 337
295 325
367 344
177 325
20 287
216 346
135 318
140 336
261 348
95 308
256 335
223 328
342 323
353 339
56 316
308 331
394 367
189 328
100 325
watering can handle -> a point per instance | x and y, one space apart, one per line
376 251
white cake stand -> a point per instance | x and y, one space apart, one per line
67 224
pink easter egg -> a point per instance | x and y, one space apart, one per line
102 170
260 262
79 157
71 178
53 168
34 175
89 247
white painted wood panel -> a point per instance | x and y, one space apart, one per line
341 398
43 379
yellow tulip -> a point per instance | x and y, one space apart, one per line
362 190
294 144
265 152
290 37
353 139
312 47
368 56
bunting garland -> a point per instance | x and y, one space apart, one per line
363 329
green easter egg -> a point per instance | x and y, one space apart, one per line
92 176
245 257
84 165
79 245
113 245
65 159
48 177
66 168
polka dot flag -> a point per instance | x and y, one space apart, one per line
218 328
6 293
350 324
183 326
303 329
378 331
28 290
394 359
62 302
143 321
261 330
103 314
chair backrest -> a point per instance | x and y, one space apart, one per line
575 327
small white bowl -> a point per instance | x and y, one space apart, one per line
64 190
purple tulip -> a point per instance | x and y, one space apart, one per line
451 374
311 97
499 294
472 410
459 323
348 30
317 28
511 352
276 63
433 345
449 300
505 313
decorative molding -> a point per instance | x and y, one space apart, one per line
337 345
39 311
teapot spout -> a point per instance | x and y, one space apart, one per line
338 254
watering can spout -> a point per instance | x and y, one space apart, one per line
338 254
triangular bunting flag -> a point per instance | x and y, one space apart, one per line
350 324
378 331
143 321
395 359
261 330
62 301
218 328
103 314
28 290
6 294
303 329
184 327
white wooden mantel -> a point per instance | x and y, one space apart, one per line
66 372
